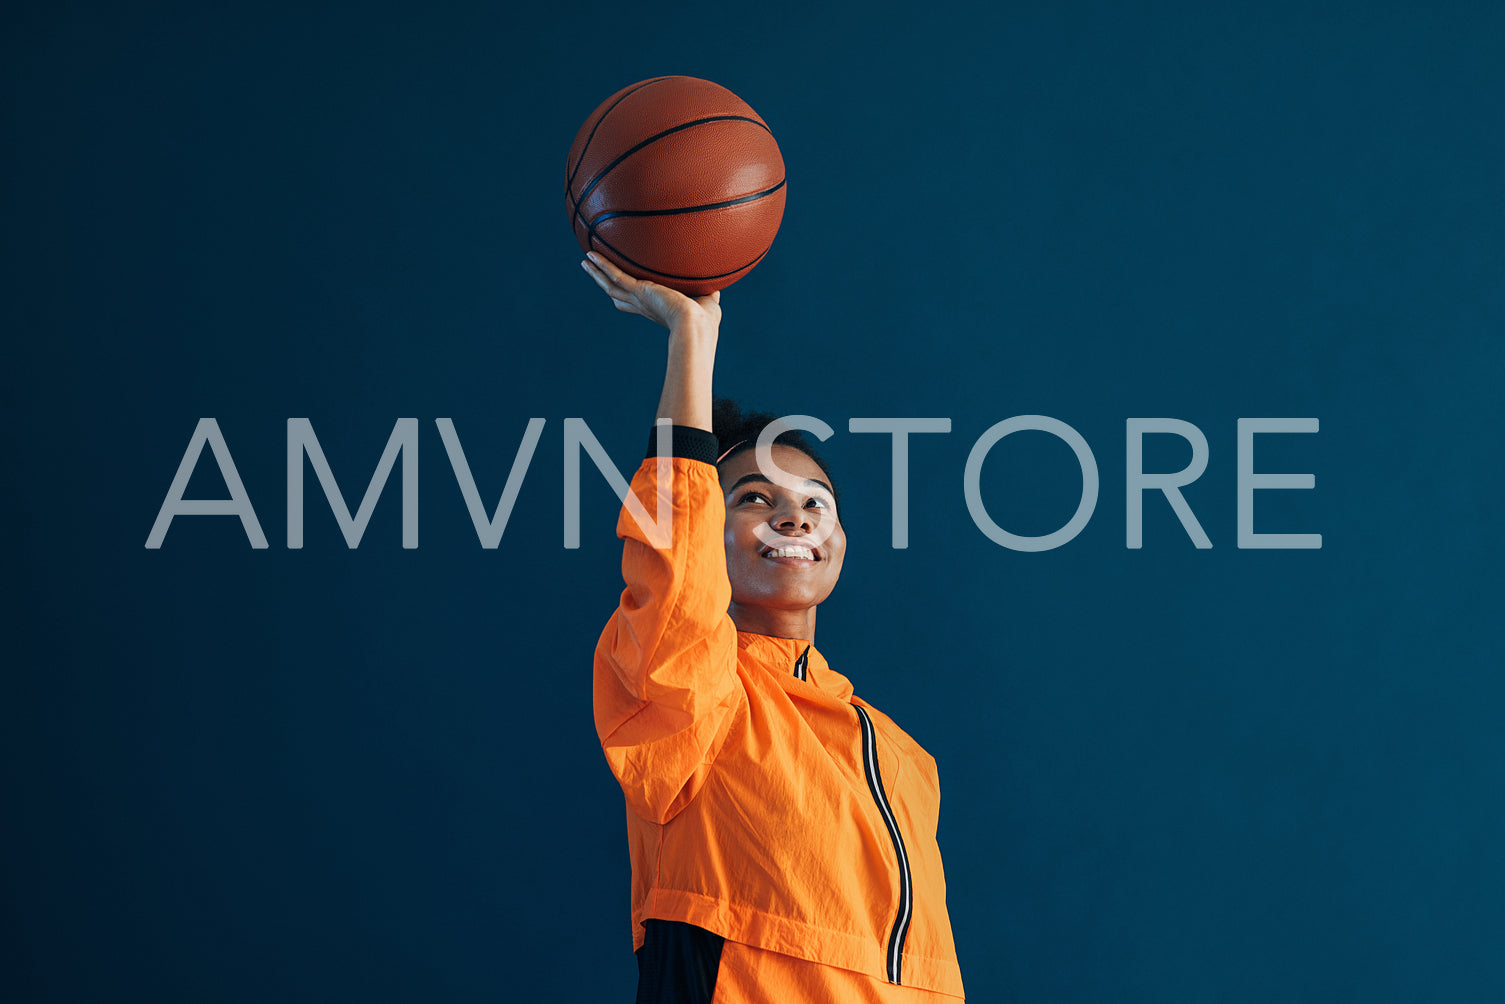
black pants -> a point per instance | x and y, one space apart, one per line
677 963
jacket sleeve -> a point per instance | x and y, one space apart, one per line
666 684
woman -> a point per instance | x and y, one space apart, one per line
781 830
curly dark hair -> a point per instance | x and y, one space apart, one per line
737 431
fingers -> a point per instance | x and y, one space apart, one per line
616 275
610 288
663 304
613 281
620 298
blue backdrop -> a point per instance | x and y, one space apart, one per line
1170 774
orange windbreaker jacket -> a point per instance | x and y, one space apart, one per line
766 803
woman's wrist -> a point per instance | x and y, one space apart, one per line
693 332
687 382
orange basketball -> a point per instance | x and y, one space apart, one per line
677 180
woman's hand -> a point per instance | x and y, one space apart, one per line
669 307
693 328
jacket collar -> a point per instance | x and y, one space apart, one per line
780 657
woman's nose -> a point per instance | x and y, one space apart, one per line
791 517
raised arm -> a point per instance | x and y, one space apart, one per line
666 688
693 326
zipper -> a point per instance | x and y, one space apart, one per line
906 893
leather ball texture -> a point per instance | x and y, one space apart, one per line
676 180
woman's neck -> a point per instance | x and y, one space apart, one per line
774 623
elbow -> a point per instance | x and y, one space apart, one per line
657 788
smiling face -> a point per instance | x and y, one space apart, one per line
783 548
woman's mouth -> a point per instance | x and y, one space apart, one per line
791 554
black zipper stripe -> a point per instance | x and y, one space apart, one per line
906 902
802 665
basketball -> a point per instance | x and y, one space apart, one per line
676 180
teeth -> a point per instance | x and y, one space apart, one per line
792 552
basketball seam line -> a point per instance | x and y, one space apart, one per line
654 139
568 182
671 275
591 232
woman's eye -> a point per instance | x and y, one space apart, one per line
754 495
819 503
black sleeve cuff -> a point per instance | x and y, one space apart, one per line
688 442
